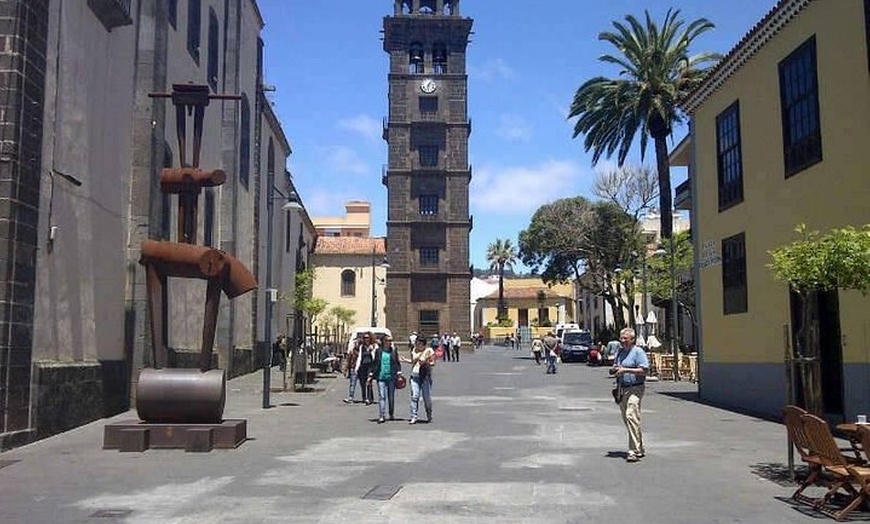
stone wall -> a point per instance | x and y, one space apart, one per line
23 34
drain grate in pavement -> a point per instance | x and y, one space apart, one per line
110 513
382 492
4 463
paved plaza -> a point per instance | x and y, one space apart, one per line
509 444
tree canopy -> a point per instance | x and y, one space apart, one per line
656 71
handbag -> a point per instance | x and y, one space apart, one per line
401 382
617 394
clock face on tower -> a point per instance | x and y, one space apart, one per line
428 86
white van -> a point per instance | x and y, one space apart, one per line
378 332
561 328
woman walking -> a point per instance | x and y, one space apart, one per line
385 368
422 361
537 349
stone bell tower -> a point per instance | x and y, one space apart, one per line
427 175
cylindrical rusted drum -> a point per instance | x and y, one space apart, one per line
181 395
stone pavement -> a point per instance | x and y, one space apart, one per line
509 444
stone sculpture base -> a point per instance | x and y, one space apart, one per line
136 435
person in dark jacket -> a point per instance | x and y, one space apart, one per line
385 368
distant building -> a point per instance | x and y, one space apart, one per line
529 301
349 272
357 222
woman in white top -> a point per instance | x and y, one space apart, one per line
422 361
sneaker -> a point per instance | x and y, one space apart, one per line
632 457
368 402
640 454
413 421
381 420
347 400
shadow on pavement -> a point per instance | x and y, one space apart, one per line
694 396
777 473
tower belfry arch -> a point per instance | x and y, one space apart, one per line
427 174
436 7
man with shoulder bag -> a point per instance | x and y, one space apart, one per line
629 369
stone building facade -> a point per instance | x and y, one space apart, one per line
81 149
427 176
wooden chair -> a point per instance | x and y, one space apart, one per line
791 417
855 480
669 369
655 361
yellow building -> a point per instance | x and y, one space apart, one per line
779 136
350 272
529 302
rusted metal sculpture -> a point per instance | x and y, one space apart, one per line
184 407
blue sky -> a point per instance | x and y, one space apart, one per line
525 61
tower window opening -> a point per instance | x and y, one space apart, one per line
439 59
415 59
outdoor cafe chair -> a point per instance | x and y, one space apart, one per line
791 416
854 479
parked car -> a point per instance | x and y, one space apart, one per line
575 345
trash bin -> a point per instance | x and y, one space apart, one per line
300 369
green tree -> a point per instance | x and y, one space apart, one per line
573 237
812 264
656 72
556 239
658 276
500 254
304 300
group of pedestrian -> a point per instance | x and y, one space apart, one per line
371 362
448 346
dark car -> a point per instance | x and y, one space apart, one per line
575 346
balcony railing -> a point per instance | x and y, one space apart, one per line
683 195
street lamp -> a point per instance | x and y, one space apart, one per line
674 311
291 201
386 265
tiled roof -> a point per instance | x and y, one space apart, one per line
349 246
525 293
775 19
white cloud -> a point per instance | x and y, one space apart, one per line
514 129
364 125
520 190
343 160
491 70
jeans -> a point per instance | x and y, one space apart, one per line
352 378
551 363
386 393
537 355
421 386
368 394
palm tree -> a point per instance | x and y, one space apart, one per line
656 73
500 254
